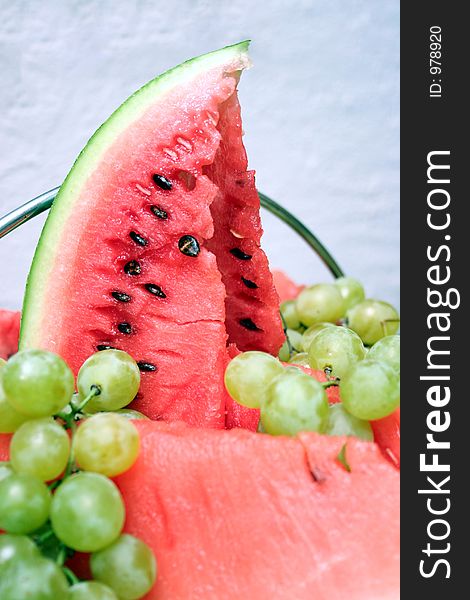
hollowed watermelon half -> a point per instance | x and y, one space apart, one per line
153 245
235 514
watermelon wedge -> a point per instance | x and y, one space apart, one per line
235 515
153 245
286 288
387 436
9 332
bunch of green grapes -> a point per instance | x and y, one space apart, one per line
56 495
342 302
331 328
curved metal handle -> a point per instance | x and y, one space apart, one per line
41 203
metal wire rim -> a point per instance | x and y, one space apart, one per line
41 203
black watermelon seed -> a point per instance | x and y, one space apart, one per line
240 254
121 296
162 182
132 267
159 212
101 347
249 284
156 290
125 328
137 238
248 324
146 366
189 245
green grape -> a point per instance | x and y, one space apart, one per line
10 419
300 358
370 390
247 376
24 503
36 578
128 566
373 320
87 512
284 353
37 383
294 402
340 422
351 290
289 314
319 303
387 350
293 368
40 447
91 590
106 443
117 376
295 341
335 348
16 548
5 470
310 333
3 362
129 413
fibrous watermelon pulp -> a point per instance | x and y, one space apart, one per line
234 515
153 245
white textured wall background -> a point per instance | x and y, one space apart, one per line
320 111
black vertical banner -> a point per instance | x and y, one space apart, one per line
435 166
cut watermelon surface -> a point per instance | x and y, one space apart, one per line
9 332
386 430
387 436
252 302
235 515
152 245
286 288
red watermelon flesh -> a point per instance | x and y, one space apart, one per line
9 332
286 288
387 436
114 266
241 515
253 320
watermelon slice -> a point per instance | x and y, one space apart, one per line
240 515
152 245
9 332
236 242
387 436
286 288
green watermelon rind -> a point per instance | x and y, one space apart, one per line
35 299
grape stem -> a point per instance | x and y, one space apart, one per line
95 390
69 418
71 466
290 348
73 579
43 537
330 383
61 555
